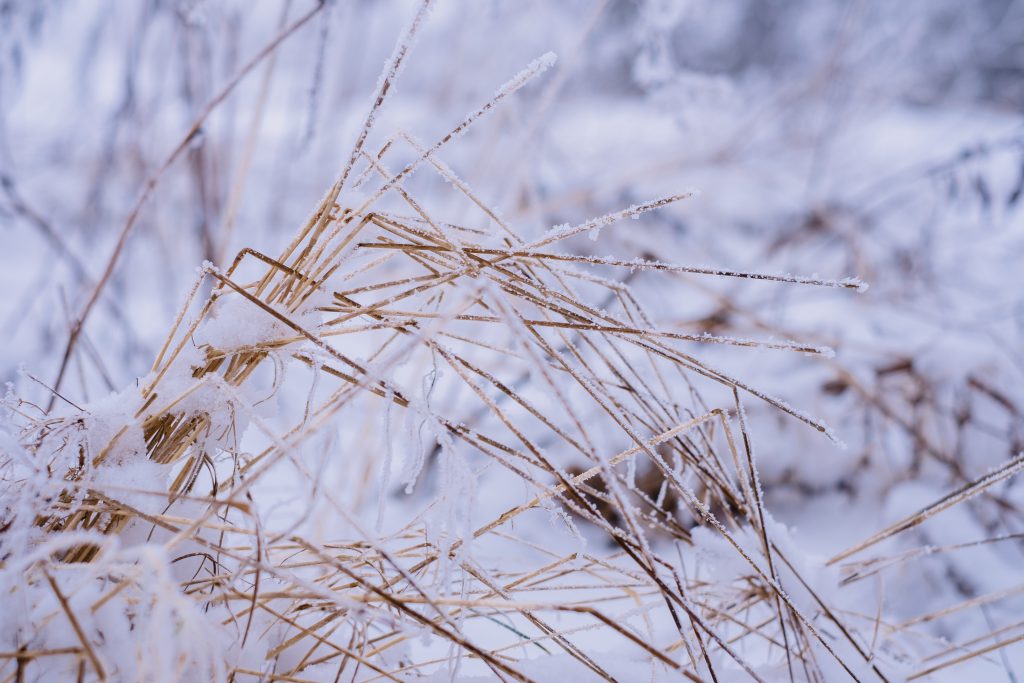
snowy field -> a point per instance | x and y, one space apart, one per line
452 340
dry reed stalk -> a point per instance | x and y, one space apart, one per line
556 381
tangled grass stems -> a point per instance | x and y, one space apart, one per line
604 418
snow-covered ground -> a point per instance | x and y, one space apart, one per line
368 457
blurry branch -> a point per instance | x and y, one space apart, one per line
242 171
150 185
33 218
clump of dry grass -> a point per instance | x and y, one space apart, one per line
561 380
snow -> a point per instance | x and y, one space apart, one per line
416 441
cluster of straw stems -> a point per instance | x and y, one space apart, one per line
545 366
555 338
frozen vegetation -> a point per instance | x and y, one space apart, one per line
626 340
